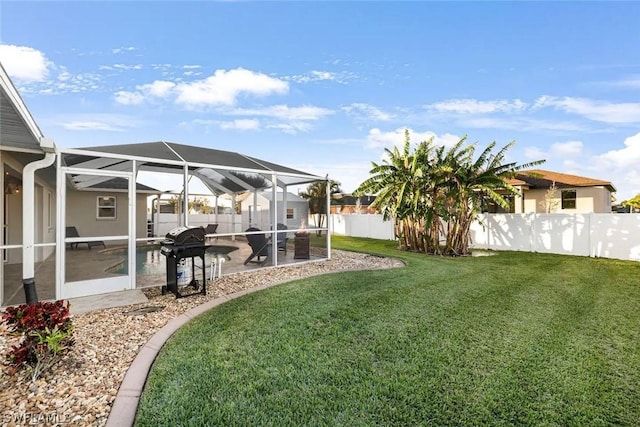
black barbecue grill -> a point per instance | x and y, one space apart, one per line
184 243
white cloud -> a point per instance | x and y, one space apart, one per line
628 83
367 112
379 139
318 76
221 89
473 106
88 125
156 89
224 87
97 122
24 63
596 110
567 149
291 128
627 157
290 120
619 166
128 98
522 124
534 153
313 76
349 174
240 124
127 66
304 113
123 49
159 88
34 73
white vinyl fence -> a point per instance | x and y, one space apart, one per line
362 225
165 222
597 235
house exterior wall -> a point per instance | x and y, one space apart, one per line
82 213
263 217
588 200
43 232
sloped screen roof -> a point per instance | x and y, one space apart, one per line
221 171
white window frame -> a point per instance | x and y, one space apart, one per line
99 207
293 213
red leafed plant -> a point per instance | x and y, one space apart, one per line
46 332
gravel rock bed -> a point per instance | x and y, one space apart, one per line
82 386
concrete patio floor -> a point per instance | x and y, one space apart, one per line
84 264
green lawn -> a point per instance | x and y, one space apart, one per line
515 338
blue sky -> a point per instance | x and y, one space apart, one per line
326 86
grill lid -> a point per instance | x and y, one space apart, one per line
185 236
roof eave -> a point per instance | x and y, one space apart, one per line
20 107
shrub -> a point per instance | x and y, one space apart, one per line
45 328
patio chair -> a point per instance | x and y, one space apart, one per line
210 229
259 247
282 238
71 231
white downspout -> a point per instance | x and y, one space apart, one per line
28 218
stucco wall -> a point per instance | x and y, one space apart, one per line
81 210
588 200
43 233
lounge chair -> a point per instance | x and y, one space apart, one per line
259 247
211 229
73 232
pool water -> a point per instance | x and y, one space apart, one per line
149 260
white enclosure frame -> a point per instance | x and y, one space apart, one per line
64 289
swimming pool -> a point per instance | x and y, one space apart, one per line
149 260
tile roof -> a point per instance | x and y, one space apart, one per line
539 178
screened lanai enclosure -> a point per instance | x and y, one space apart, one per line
99 229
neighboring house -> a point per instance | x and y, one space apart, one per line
346 204
255 210
575 194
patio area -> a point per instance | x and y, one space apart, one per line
84 264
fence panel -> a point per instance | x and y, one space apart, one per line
362 225
561 234
597 235
615 236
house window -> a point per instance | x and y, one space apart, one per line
106 207
290 213
568 199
